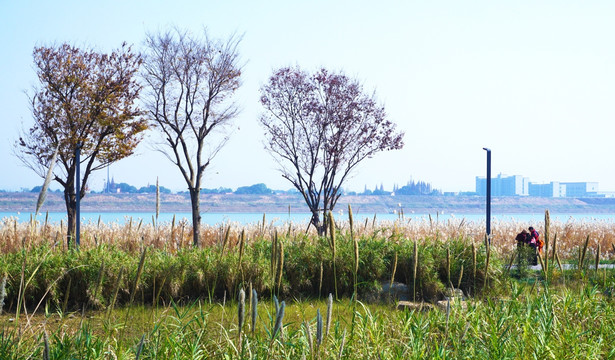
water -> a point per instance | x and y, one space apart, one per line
298 218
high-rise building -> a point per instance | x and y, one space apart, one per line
503 185
518 185
552 189
581 189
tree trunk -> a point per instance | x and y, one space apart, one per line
318 225
70 199
196 216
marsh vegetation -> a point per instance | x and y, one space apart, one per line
261 291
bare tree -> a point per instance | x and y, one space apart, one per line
84 98
190 81
319 127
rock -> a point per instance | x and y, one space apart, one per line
396 290
388 293
414 306
453 294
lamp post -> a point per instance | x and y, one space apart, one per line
488 225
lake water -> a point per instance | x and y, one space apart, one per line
281 218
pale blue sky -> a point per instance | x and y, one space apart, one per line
534 81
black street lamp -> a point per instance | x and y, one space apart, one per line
488 225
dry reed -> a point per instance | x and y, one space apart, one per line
167 235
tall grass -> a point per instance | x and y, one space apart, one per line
560 323
293 264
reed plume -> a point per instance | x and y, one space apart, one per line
254 311
278 320
351 221
332 234
318 327
241 313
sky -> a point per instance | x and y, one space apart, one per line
532 81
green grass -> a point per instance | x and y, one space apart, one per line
94 277
535 322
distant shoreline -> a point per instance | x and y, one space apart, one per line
235 203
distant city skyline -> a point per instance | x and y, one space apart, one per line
502 185
519 185
532 81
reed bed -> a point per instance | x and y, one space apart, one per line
428 255
300 262
133 234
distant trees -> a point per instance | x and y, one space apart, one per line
256 189
319 127
124 188
190 81
84 98
37 189
220 190
151 189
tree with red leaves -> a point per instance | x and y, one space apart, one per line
319 127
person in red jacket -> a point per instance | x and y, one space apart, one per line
535 240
